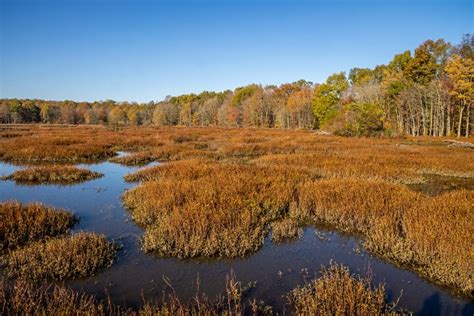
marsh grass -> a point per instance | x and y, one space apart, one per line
203 208
75 256
55 174
134 159
337 292
394 160
26 298
21 224
286 229
432 235
210 210
222 190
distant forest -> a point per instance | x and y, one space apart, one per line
427 93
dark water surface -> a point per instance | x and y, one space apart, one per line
276 268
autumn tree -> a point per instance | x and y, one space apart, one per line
461 75
327 97
166 113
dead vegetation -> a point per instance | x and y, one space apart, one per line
134 159
222 190
26 298
334 292
210 210
433 235
75 256
21 224
55 174
337 292
286 229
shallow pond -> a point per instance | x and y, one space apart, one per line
276 268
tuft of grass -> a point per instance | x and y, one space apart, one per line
135 159
53 174
337 292
286 229
26 298
21 224
75 256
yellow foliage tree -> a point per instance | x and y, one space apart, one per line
461 74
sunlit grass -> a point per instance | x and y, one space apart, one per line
337 292
221 191
57 174
26 298
21 224
75 256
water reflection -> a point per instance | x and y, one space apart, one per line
276 268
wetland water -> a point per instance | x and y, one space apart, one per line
276 268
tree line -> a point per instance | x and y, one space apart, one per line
426 93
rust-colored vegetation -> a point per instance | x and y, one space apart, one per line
221 191
433 235
26 298
286 229
75 256
21 224
211 210
57 174
337 292
134 159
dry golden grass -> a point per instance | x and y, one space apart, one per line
76 256
222 189
337 292
433 235
286 229
57 174
25 298
203 208
21 224
134 159
28 299
210 209
397 160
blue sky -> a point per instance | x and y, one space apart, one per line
141 50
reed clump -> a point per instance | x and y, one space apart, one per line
21 224
134 159
286 229
337 292
55 174
75 256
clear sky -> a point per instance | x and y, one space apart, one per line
139 50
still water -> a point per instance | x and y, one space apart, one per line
276 268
